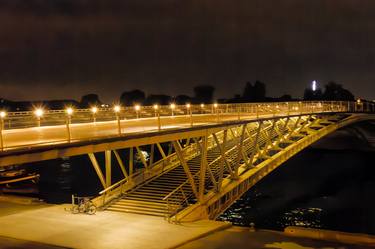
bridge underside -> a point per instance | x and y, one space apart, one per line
202 175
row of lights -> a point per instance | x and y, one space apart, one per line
39 112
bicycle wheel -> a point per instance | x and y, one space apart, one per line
75 209
91 209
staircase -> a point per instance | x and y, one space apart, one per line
148 198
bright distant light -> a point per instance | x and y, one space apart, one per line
69 111
313 85
173 106
215 105
3 114
39 112
137 107
156 107
358 101
188 105
202 105
94 109
117 108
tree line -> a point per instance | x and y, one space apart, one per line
252 92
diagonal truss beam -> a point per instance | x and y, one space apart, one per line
180 156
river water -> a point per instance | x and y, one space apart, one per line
330 185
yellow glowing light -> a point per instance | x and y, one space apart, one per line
117 108
94 109
3 114
69 111
188 105
137 107
358 101
202 105
156 107
173 106
215 105
39 112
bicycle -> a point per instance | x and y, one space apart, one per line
84 205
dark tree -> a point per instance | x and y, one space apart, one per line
182 99
90 100
259 91
204 93
285 97
309 94
248 92
159 99
132 97
334 91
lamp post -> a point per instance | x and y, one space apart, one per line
202 108
69 113
190 112
215 106
94 110
157 114
137 109
2 117
38 113
117 110
173 106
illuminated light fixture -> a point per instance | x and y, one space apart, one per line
137 107
202 105
173 106
94 109
3 114
313 85
188 105
156 107
215 105
117 108
39 112
277 106
69 111
358 101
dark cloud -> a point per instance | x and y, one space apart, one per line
66 48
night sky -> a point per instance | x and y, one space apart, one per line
53 49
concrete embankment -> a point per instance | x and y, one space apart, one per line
335 236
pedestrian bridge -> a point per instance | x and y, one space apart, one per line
183 163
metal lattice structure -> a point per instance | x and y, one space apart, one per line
199 160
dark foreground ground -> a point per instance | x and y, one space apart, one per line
241 238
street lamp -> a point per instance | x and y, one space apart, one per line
3 114
38 113
117 110
215 106
190 111
137 109
69 112
173 106
94 110
157 114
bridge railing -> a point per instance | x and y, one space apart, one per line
156 114
26 119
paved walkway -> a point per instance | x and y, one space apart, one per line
54 226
